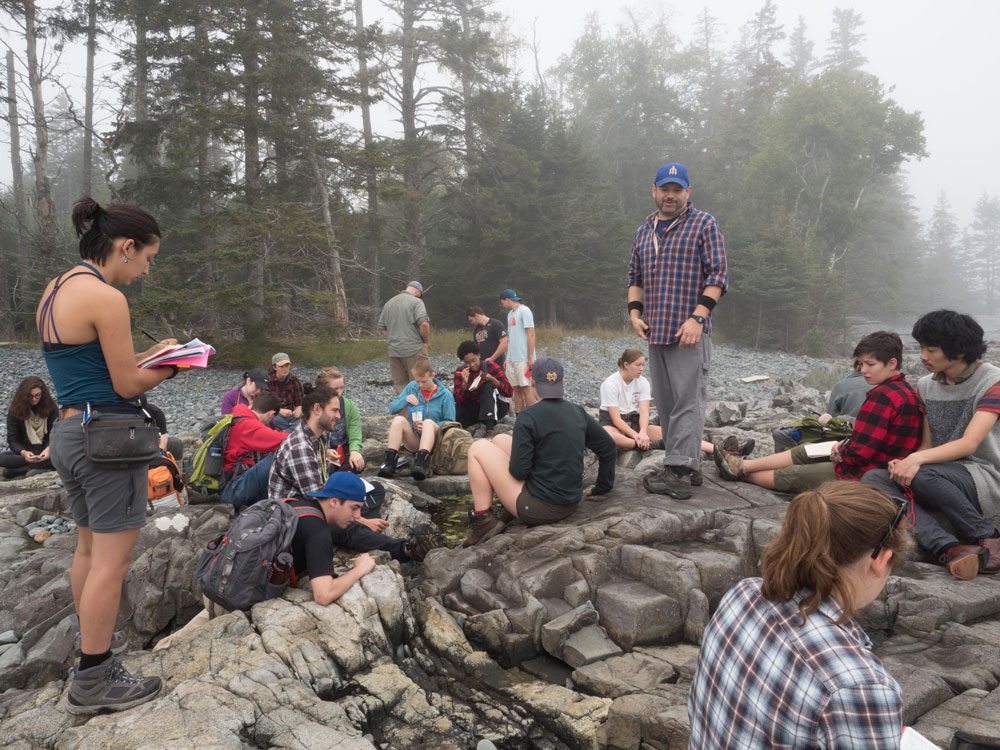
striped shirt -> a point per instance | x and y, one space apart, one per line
764 679
673 261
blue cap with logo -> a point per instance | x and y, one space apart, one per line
547 372
672 173
343 485
509 294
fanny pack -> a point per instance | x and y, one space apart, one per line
120 441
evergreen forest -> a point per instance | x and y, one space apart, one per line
305 159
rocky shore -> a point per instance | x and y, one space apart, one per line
580 634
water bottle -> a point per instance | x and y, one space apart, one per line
281 569
796 435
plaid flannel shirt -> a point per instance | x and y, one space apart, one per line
289 391
493 369
764 679
691 256
889 425
299 464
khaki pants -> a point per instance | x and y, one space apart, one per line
400 368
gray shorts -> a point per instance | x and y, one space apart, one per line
103 500
533 511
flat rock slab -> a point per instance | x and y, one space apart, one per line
624 675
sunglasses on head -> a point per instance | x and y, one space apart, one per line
904 506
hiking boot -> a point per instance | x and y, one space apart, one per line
991 564
420 472
655 445
488 433
964 561
697 478
482 527
388 469
728 459
119 643
967 741
505 516
109 686
417 548
668 482
747 446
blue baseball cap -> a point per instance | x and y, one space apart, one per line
343 485
672 173
509 294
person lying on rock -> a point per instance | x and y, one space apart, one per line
783 662
888 427
422 405
346 437
303 463
956 471
340 501
482 391
30 418
251 443
537 474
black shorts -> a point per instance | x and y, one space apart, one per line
533 511
631 419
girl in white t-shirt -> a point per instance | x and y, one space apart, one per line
625 400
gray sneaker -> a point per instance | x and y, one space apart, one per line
119 643
666 482
109 686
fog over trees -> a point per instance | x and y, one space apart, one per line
255 131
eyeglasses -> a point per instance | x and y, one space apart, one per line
903 507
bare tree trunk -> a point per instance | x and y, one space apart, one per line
137 157
336 273
88 112
468 131
17 176
374 231
251 166
44 208
413 236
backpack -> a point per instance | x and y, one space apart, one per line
251 562
811 431
451 449
205 473
164 481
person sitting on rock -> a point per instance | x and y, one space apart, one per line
288 388
30 418
846 398
346 437
783 662
537 474
302 465
254 382
888 427
956 471
251 444
482 391
422 405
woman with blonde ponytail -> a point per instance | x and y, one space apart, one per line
783 662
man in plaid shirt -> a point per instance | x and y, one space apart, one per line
676 275
889 426
482 391
301 466
288 388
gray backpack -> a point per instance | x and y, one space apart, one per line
251 562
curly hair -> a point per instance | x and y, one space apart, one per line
20 405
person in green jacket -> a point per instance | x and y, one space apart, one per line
538 474
347 430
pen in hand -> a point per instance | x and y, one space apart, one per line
149 335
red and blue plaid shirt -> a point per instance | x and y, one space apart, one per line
289 391
493 369
889 425
691 256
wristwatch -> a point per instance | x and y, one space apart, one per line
699 318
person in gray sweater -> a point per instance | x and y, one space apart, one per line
538 474
956 471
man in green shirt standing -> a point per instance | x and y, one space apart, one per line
405 324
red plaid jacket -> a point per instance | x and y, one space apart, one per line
888 426
493 369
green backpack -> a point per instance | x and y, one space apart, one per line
838 428
451 449
205 474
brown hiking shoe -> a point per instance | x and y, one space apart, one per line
482 527
964 561
991 564
728 459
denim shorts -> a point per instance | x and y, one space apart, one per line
103 500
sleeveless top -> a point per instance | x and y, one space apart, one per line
79 372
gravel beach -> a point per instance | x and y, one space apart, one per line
192 397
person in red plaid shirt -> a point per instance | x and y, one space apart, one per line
676 275
288 388
482 391
889 426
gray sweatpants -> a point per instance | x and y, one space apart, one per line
678 377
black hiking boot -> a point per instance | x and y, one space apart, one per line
109 687
420 460
388 469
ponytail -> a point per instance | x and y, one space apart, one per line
629 356
824 531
